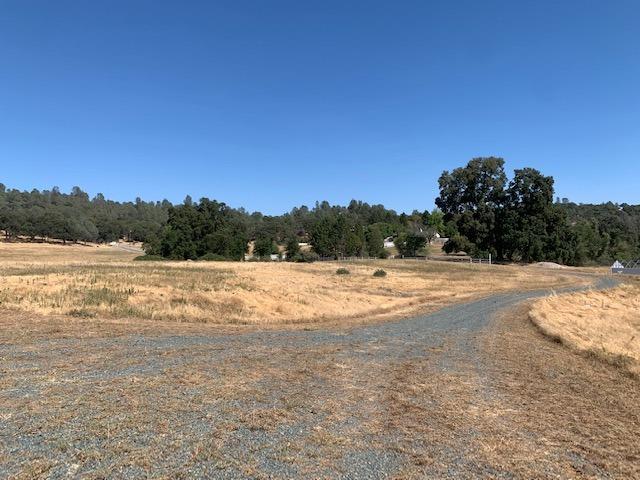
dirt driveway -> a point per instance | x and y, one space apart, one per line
471 391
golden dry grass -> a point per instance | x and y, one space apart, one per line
604 323
23 254
104 282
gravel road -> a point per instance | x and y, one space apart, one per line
408 399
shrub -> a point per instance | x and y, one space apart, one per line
342 271
380 273
213 257
149 258
458 243
306 257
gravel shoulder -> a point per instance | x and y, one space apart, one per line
444 395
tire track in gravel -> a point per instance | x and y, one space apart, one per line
289 404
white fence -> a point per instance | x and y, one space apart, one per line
630 267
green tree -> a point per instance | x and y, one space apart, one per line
375 242
410 244
292 248
471 198
355 241
264 247
435 221
321 237
532 229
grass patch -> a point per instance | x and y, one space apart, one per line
106 296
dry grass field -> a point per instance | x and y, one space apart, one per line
603 323
108 369
103 282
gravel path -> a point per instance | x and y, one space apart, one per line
371 402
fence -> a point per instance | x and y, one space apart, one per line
344 259
486 261
483 261
629 267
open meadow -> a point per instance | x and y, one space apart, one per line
105 283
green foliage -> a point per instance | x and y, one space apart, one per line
306 257
435 220
410 244
292 248
604 233
149 258
195 229
479 211
264 247
531 229
74 217
458 243
355 241
375 242
520 222
379 273
471 198
337 232
342 271
213 257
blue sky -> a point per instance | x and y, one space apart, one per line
271 104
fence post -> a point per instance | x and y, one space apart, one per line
489 259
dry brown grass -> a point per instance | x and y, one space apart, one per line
43 253
556 414
603 323
103 282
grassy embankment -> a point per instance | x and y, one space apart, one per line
601 323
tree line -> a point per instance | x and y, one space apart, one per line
516 220
480 210
74 217
212 230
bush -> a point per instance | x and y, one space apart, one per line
149 258
458 243
380 273
410 244
213 257
306 257
342 271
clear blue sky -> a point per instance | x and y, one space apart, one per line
271 104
